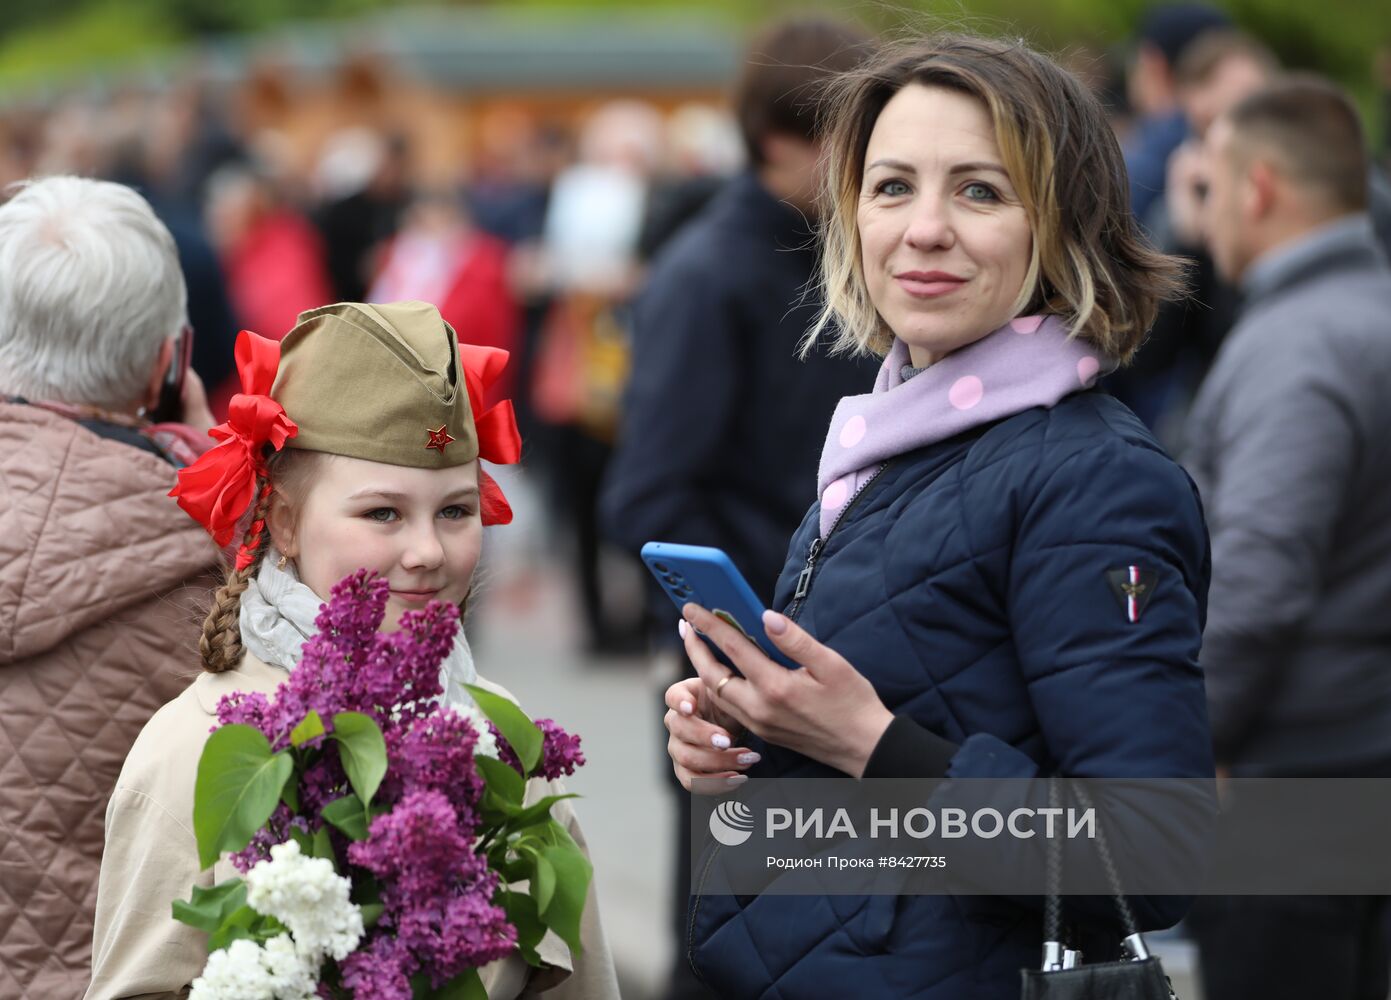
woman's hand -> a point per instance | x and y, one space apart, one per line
701 743
827 711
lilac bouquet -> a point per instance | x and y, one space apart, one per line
381 836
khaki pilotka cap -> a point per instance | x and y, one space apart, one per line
380 382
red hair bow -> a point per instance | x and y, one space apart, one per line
220 487
499 441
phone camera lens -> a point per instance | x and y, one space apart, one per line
661 567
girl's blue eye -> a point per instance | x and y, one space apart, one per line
893 188
382 515
455 512
982 192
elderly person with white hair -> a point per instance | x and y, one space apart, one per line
98 570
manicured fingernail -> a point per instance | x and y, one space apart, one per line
749 758
720 741
682 627
774 622
736 780
687 708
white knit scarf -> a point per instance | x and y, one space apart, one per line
277 618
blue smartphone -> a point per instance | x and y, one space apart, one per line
707 576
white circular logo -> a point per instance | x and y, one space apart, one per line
731 823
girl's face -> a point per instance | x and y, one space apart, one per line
945 238
419 529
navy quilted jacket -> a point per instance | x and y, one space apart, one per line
969 582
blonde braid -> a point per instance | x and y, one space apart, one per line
220 645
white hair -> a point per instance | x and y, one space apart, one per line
90 288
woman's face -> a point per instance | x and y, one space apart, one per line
419 529
945 239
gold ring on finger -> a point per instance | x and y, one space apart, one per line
723 681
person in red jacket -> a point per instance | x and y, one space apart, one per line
271 255
440 256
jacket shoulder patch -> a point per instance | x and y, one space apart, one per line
1133 587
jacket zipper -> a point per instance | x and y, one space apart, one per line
799 596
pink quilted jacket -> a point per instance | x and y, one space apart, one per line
102 579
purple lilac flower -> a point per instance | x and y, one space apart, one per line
418 847
380 971
435 753
349 667
460 932
250 708
322 782
560 751
436 890
276 831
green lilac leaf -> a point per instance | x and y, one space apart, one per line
322 846
348 815
311 727
207 907
466 986
239 924
363 752
542 884
521 914
238 786
503 781
519 731
566 909
538 810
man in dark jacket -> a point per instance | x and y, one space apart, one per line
722 423
1166 31
1217 70
1287 441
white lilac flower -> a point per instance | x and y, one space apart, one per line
293 976
487 742
234 973
309 898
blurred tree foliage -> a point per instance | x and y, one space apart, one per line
44 39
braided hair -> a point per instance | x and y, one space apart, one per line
220 645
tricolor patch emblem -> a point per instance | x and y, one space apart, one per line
1133 587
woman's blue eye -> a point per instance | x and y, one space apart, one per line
892 188
382 515
982 192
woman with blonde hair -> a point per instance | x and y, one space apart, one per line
1004 575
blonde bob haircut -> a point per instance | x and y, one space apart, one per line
1090 264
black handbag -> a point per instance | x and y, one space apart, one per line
1063 977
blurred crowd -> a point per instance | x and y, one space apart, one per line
580 245
535 246
539 243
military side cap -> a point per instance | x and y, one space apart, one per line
379 382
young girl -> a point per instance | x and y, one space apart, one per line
356 442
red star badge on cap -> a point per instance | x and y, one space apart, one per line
439 439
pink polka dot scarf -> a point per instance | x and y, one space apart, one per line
1028 362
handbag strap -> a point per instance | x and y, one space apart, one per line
1053 905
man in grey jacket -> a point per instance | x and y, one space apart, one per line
1289 441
